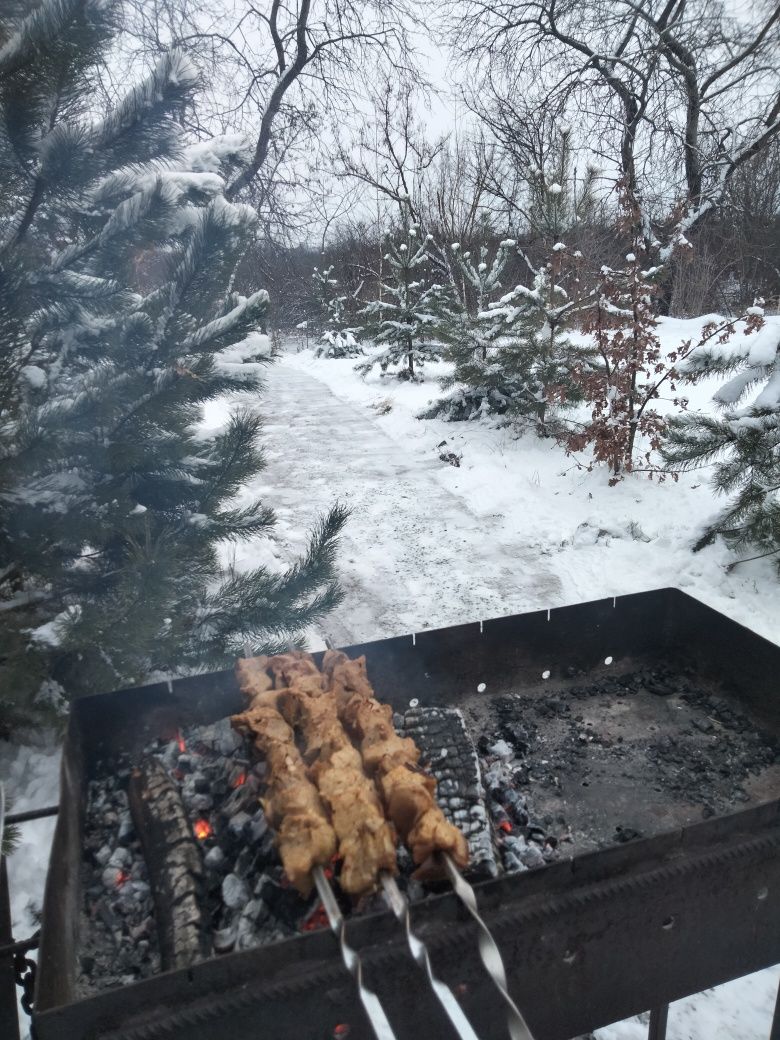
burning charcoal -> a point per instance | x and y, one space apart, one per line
235 893
531 857
103 855
225 939
441 735
184 763
258 827
238 775
111 877
238 824
214 858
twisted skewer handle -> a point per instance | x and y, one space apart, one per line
376 1015
400 907
489 952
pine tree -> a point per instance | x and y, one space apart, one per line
743 442
557 203
407 316
338 340
519 363
475 385
533 347
116 325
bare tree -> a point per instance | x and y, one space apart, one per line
270 72
391 153
683 94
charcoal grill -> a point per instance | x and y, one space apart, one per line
587 941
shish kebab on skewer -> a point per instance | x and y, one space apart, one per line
366 842
305 837
409 793
319 705
264 704
366 839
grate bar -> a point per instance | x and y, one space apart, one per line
400 907
32 814
351 958
488 952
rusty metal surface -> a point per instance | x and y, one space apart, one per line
586 941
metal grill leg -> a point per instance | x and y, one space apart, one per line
658 1019
9 1021
774 1032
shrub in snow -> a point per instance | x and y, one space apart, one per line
624 377
117 325
628 372
337 340
338 345
405 320
743 442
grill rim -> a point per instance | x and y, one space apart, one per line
649 624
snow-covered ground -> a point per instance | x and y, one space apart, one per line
516 526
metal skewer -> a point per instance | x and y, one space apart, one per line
488 951
376 1015
400 907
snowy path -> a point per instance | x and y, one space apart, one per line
413 555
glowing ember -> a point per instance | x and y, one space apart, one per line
202 829
505 826
240 780
341 1030
180 742
317 919
121 878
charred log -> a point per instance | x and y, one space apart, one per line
175 866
